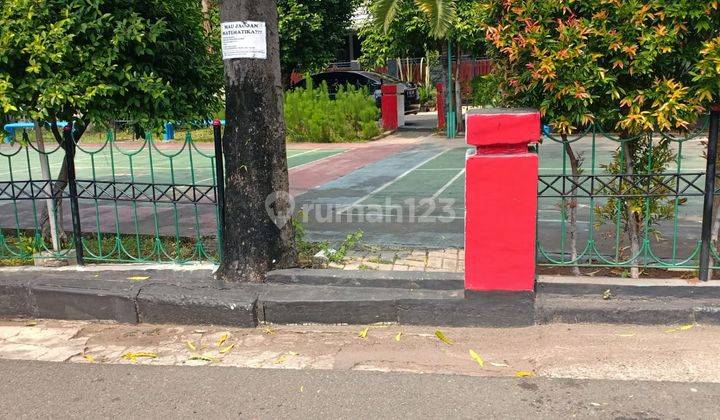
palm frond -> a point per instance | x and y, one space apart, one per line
441 14
383 11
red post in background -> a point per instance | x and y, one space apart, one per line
501 200
389 107
440 105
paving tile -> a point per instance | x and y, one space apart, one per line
434 262
352 266
414 264
449 264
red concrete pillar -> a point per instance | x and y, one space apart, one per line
440 105
389 107
501 200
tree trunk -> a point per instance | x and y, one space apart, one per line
49 225
573 203
257 236
61 183
633 219
460 123
205 4
715 236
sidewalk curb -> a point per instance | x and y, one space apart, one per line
349 297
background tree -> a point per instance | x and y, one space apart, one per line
95 61
407 35
406 26
312 32
628 66
707 76
257 236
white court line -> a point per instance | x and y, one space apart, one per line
389 183
316 161
440 169
200 181
303 153
670 171
447 185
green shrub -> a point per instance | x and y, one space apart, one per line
427 95
485 90
310 115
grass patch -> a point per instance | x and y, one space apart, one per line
19 249
312 116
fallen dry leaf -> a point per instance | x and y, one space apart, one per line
279 360
476 357
684 327
203 357
363 332
223 338
625 334
133 357
31 324
524 374
191 345
89 358
138 278
398 335
439 334
269 331
226 349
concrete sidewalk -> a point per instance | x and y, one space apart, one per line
689 353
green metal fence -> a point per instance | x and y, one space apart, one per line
137 201
607 201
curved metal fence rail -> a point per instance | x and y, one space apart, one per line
606 201
138 201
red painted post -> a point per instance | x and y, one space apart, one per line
440 105
389 107
501 200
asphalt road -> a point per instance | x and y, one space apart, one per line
45 390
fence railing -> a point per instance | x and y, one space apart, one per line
126 201
607 201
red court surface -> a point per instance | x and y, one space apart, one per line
355 156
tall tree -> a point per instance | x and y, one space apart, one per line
312 32
94 61
257 235
440 14
635 67
442 24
